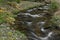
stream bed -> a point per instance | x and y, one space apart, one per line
37 25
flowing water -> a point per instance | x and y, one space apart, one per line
36 24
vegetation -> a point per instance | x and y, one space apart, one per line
18 1
9 10
54 5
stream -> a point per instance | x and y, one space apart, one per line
36 24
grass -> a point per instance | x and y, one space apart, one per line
9 10
7 14
9 34
54 5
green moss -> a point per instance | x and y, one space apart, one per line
54 5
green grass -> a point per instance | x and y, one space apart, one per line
54 5
8 11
